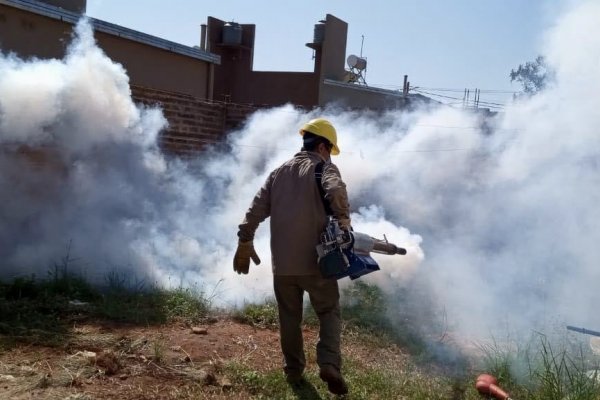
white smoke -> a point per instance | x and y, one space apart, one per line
504 221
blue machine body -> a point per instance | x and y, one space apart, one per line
359 265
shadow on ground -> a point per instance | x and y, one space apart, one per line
43 312
305 391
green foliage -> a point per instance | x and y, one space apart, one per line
544 371
158 350
505 361
365 383
366 308
533 75
154 305
42 311
380 382
261 385
563 373
38 311
186 304
263 315
62 282
310 317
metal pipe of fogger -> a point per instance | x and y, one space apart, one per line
380 246
583 330
364 243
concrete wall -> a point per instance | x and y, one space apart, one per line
78 6
333 53
235 80
277 88
31 35
157 68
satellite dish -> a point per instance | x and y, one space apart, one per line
356 62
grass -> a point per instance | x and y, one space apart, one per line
272 384
365 310
34 310
154 306
544 369
133 301
530 370
366 320
41 311
365 307
365 383
564 372
262 315
158 350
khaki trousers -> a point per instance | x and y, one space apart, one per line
325 299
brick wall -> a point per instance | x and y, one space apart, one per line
193 123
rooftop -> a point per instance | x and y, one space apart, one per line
58 13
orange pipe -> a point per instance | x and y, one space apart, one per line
488 378
486 384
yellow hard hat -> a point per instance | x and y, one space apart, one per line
322 127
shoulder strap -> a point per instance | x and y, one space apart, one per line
319 179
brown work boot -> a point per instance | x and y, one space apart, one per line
334 379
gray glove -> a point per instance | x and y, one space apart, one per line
241 261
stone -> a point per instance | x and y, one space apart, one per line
199 330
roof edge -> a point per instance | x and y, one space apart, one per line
71 17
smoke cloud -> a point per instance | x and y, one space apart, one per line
500 223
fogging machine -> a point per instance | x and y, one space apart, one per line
345 253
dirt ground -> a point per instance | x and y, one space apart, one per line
123 362
109 361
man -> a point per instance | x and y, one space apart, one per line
292 198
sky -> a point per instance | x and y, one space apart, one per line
439 44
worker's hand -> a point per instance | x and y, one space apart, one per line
241 260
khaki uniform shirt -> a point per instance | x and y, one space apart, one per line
291 198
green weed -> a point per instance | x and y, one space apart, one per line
546 370
367 309
43 311
565 373
158 350
263 315
365 383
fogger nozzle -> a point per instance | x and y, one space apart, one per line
365 244
380 246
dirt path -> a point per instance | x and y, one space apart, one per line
100 361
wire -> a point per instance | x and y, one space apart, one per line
486 103
455 98
457 90
345 152
499 91
433 94
165 142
